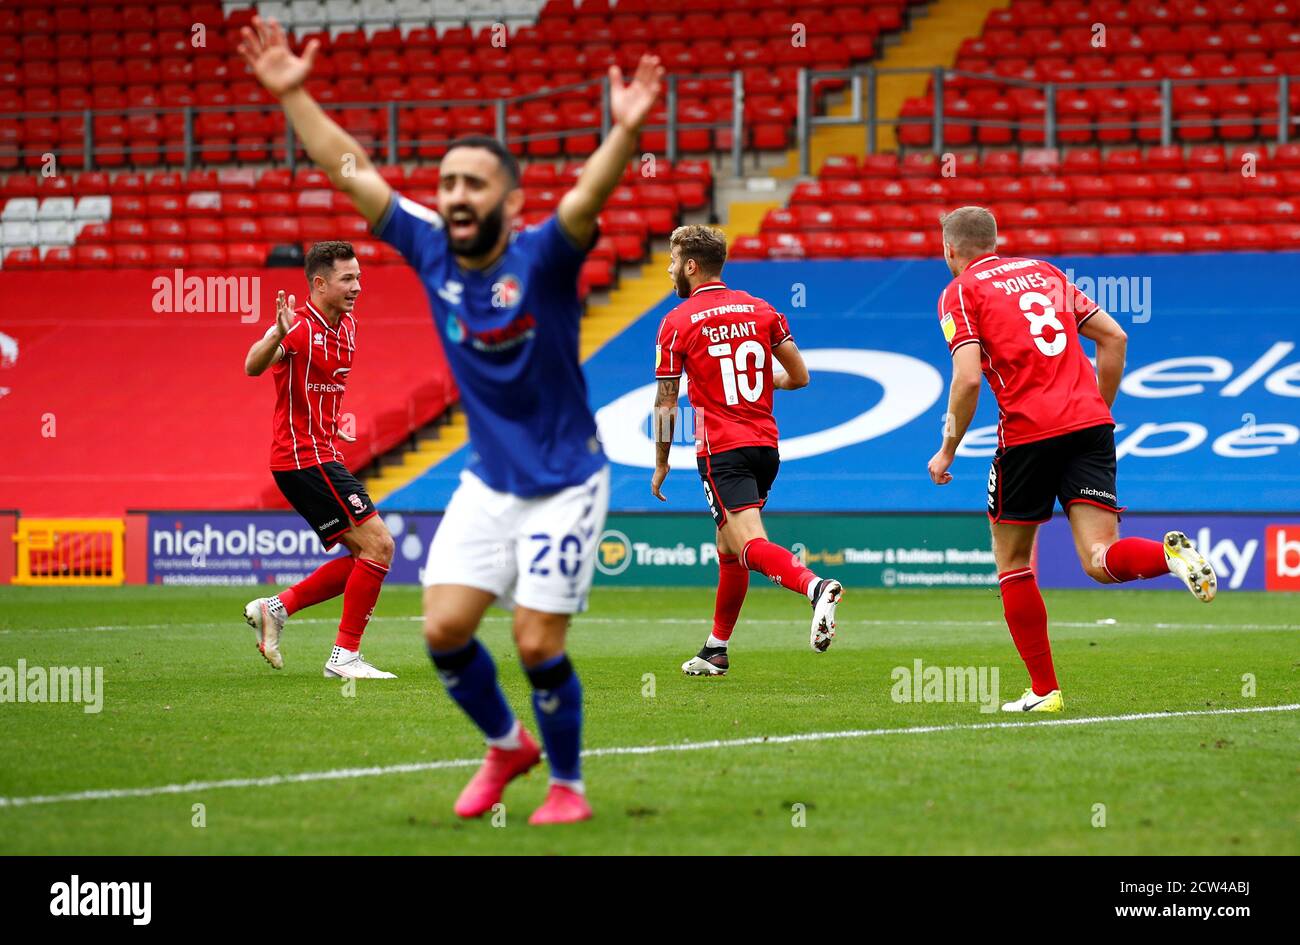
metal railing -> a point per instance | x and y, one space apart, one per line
392 143
864 82
863 85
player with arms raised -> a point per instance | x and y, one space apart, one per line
1018 322
725 341
522 527
309 351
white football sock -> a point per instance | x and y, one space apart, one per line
509 741
713 641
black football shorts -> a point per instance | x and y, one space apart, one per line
328 496
1026 480
738 479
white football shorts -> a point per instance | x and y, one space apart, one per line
539 553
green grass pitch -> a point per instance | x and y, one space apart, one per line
188 699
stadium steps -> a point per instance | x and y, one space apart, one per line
427 454
633 297
745 216
932 38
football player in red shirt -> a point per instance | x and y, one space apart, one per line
725 341
309 351
1018 322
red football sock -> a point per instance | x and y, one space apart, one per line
778 564
1132 558
1027 620
359 602
733 582
325 582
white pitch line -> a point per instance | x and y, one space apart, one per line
341 774
692 621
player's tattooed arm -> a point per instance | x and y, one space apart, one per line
665 422
628 105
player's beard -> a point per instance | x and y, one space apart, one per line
485 237
683 287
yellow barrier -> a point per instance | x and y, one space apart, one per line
70 551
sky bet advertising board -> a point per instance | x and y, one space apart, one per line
1249 552
1208 418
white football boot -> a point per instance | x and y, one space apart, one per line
267 617
1190 566
1052 702
345 664
710 661
826 595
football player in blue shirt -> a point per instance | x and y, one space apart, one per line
521 528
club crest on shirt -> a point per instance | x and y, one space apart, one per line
506 292
455 329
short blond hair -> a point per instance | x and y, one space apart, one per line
970 231
705 244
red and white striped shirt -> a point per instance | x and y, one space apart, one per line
309 383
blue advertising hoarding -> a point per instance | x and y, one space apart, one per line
1208 416
1249 552
278 548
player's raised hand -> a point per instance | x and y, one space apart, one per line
267 53
657 481
630 104
939 464
283 314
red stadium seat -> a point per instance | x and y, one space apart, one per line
207 255
132 256
245 255
22 259
93 257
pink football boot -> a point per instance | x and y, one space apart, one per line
562 806
501 766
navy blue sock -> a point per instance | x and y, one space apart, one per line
557 703
471 679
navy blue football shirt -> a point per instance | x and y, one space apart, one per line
511 337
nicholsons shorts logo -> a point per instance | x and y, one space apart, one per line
78 898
